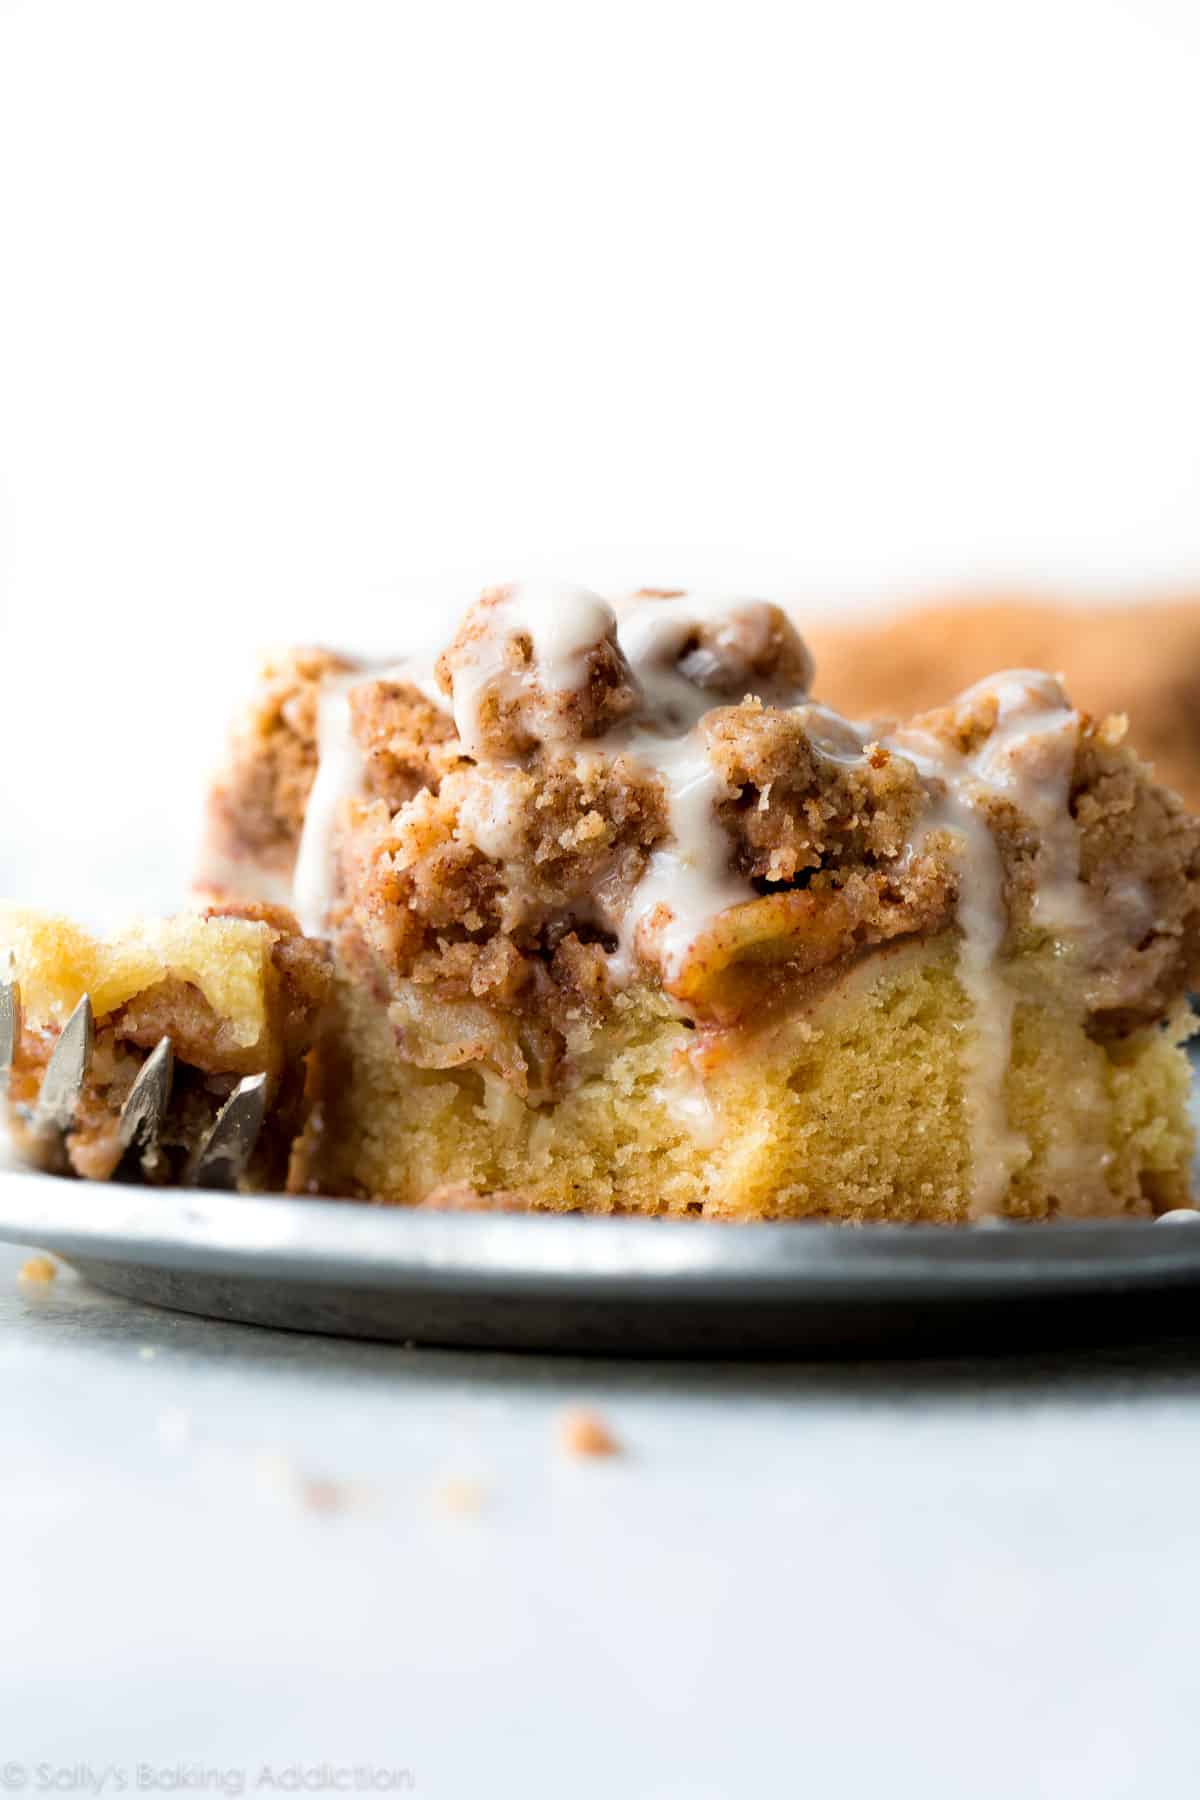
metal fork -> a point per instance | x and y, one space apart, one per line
222 1155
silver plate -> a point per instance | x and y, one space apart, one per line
635 1286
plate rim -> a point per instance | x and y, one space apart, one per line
319 1242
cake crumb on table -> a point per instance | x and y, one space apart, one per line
584 1433
321 1495
459 1494
278 1478
38 1270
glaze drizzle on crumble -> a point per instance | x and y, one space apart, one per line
581 797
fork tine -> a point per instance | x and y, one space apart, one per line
223 1155
66 1072
10 1020
146 1103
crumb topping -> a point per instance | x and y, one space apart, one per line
532 665
257 804
407 742
583 796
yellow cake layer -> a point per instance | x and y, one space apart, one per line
853 1109
57 962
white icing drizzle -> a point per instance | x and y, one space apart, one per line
1027 758
491 812
654 636
688 880
1030 756
563 624
687 1097
415 672
836 739
338 778
996 1151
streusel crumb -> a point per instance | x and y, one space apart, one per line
256 806
624 918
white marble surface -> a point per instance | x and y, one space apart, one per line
926 1579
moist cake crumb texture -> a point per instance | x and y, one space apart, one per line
236 988
601 908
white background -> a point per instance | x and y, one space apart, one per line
313 317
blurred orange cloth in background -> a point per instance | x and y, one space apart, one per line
1141 660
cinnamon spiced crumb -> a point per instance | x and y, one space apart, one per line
257 804
38 1271
518 707
584 1433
